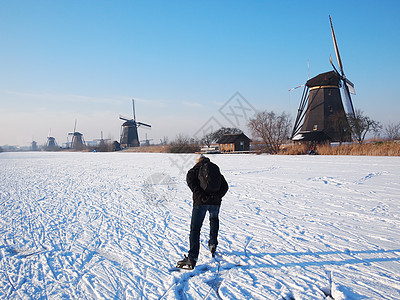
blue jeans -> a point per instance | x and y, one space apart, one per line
198 215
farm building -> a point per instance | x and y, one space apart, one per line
234 143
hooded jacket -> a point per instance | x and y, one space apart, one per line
200 197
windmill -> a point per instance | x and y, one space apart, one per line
77 142
102 143
129 133
321 115
34 146
146 141
51 143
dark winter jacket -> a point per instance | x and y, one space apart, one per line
199 195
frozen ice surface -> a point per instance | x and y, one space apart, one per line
112 225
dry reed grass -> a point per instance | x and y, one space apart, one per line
148 149
368 149
300 149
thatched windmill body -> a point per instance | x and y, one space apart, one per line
322 114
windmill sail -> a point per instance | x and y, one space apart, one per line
125 118
350 86
336 46
143 124
347 100
347 85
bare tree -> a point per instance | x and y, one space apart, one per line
208 139
340 123
273 129
361 125
183 144
392 131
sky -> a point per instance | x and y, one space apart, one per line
189 65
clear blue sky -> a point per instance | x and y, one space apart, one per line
181 61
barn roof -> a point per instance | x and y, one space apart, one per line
232 138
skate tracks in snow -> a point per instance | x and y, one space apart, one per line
111 226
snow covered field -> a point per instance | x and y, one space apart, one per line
111 225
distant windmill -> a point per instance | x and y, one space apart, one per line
146 141
129 132
77 142
51 142
34 146
102 142
321 115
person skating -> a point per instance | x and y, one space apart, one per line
208 186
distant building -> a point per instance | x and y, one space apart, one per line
234 143
34 146
116 146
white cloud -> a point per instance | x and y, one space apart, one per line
192 104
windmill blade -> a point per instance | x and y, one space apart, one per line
124 118
330 59
336 47
73 137
133 105
300 112
346 82
75 126
350 86
140 123
347 101
292 89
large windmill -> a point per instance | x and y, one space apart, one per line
129 132
321 115
77 142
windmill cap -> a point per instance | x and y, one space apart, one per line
328 78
